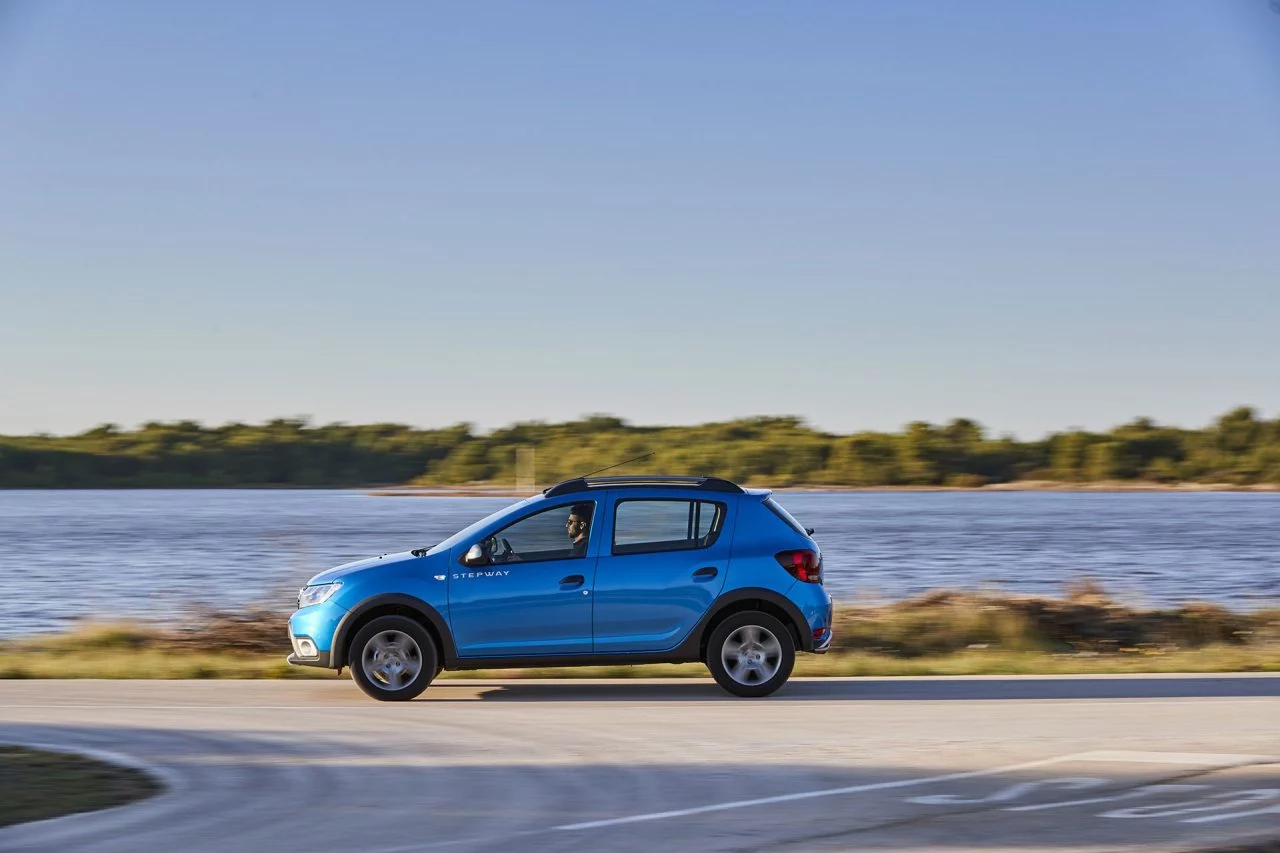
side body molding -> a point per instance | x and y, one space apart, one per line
689 650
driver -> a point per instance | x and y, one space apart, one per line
577 525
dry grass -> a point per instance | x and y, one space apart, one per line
148 663
985 662
941 633
1085 620
168 665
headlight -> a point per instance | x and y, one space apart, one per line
317 594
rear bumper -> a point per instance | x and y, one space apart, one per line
817 608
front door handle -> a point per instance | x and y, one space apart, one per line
706 573
572 581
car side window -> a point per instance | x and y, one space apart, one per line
559 533
662 524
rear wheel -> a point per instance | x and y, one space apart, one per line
751 654
393 659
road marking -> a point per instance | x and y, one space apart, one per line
1234 815
1214 760
809 795
1012 792
1206 759
1211 803
1132 794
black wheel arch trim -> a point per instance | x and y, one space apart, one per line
689 650
786 605
342 635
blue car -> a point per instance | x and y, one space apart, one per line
605 570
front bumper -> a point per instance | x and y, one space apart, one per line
311 631
305 652
321 660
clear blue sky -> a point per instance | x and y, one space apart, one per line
1035 214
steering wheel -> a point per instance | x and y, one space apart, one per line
507 550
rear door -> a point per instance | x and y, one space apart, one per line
662 563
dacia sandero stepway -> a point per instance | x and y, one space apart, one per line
605 570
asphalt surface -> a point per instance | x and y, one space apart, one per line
967 764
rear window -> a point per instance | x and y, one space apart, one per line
776 509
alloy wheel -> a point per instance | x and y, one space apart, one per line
391 659
751 655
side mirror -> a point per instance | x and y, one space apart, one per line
809 530
475 556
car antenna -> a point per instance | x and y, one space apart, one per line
618 464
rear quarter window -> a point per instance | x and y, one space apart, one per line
776 509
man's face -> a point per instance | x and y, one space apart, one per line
575 526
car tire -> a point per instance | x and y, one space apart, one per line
751 654
393 659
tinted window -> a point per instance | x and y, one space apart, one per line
785 516
643 526
560 533
706 519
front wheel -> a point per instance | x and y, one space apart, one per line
751 654
393 659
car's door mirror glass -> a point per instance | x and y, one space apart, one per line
475 556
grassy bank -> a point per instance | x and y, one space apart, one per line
941 633
38 785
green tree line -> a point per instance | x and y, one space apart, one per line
1239 448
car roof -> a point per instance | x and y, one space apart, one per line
584 484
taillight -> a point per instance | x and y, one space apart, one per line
804 565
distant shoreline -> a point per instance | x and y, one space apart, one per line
1239 447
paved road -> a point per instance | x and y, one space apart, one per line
968 764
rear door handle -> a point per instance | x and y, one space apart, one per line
706 573
572 581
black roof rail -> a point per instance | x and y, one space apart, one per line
581 484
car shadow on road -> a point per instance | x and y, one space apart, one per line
863 689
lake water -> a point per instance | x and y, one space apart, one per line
66 555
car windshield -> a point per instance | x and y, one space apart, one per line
471 529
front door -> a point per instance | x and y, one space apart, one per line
661 565
532 596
